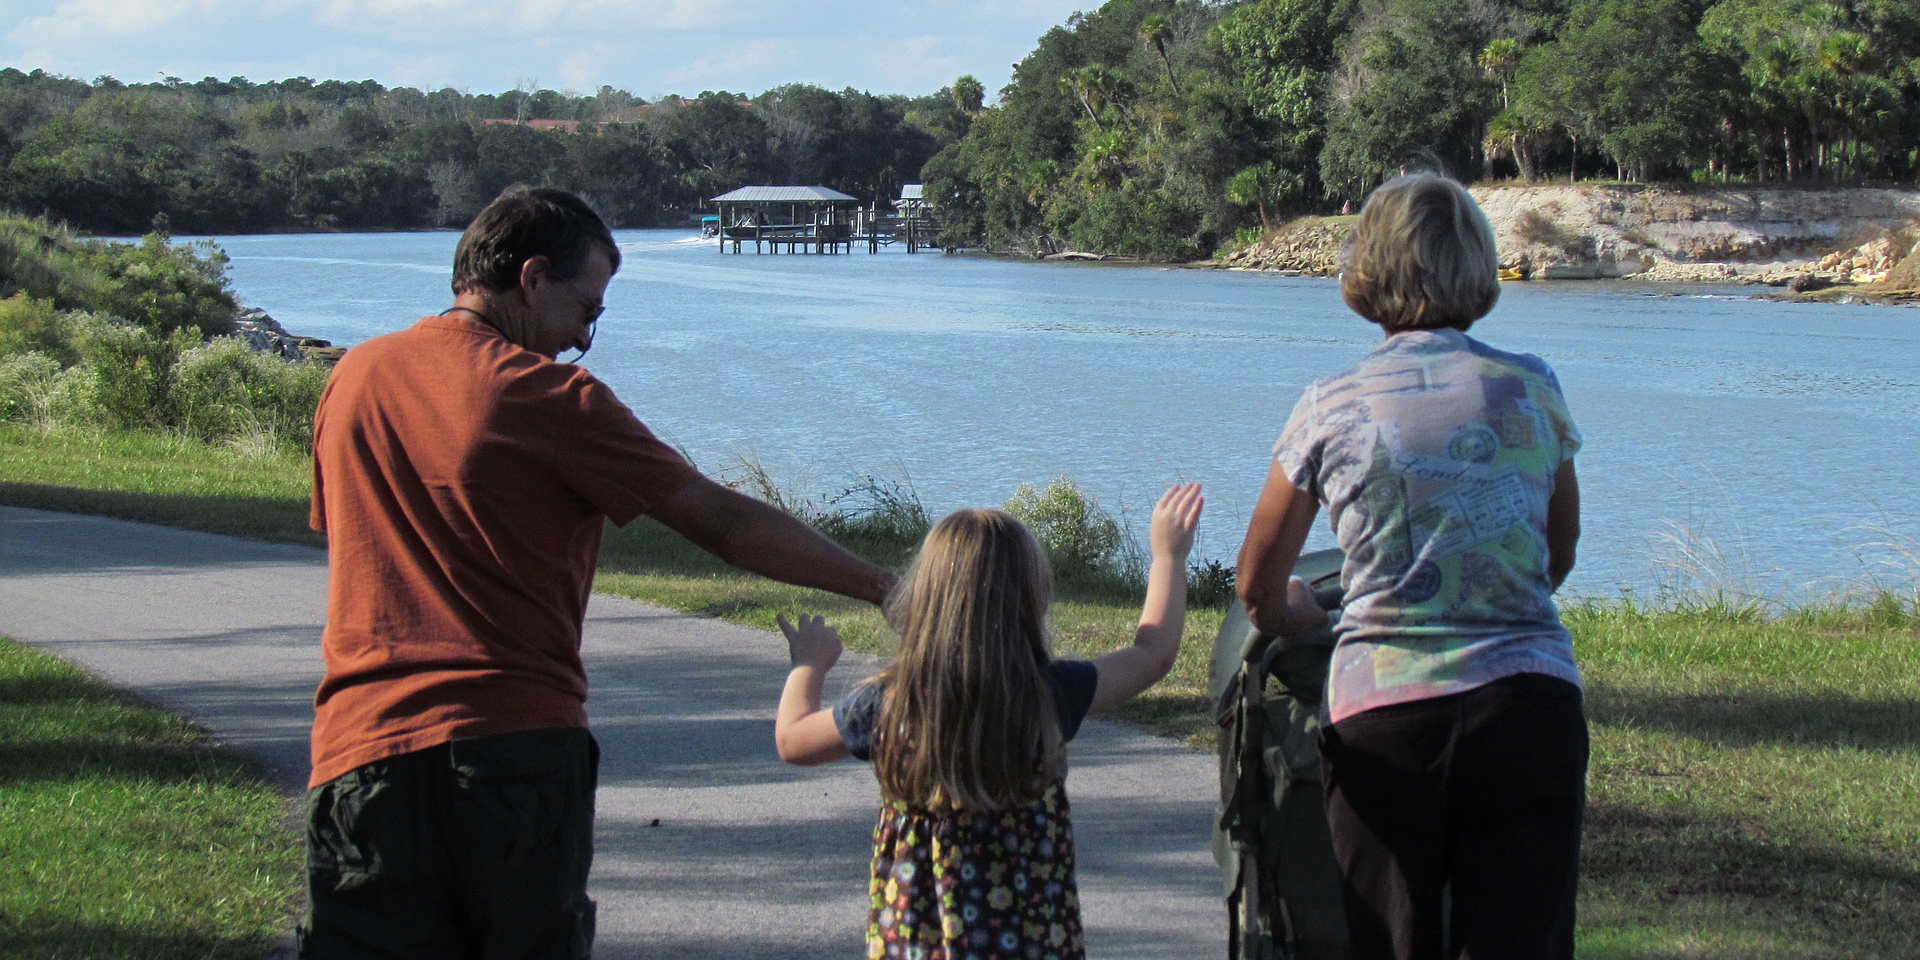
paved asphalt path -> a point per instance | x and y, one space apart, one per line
707 845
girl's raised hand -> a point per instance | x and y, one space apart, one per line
1174 518
811 643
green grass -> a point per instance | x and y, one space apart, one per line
123 833
158 478
1755 784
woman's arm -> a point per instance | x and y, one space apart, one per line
804 734
1281 519
1126 672
1563 524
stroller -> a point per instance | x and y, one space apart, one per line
1271 837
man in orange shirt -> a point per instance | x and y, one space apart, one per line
463 478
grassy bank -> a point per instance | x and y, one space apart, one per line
123 833
1755 785
158 478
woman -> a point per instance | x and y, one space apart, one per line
1455 760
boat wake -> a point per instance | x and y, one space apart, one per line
636 246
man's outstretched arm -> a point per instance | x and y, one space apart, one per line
761 539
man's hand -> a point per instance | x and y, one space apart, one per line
812 643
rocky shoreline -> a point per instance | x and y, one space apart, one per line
265 335
1808 242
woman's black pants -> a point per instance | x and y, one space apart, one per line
1456 821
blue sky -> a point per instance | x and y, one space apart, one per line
651 47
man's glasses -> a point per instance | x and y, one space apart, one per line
594 307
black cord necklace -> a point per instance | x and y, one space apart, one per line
592 327
483 317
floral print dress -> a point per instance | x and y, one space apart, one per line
974 886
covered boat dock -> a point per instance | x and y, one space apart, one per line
816 219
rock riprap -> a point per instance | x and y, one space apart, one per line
265 334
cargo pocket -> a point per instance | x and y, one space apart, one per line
514 789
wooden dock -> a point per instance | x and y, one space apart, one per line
820 221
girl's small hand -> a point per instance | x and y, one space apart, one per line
812 643
1174 518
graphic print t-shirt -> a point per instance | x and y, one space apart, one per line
1435 458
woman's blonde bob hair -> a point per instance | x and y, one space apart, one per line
968 721
1423 257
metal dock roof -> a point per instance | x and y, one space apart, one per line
781 195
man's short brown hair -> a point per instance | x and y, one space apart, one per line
1423 257
526 223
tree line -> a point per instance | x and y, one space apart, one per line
231 156
1160 128
1166 127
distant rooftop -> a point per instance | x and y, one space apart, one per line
570 126
781 195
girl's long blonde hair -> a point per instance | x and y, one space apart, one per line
969 721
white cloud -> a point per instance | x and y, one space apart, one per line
84 18
529 18
924 63
585 70
725 67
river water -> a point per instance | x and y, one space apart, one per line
1761 448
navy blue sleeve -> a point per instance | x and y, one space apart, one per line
854 716
1074 683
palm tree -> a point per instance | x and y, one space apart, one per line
1499 60
969 97
1155 31
1088 84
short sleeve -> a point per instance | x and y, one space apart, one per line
1563 425
1298 452
1074 683
854 717
608 456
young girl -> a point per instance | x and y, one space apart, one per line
967 732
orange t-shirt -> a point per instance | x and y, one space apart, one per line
462 483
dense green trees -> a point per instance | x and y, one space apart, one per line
234 156
1163 127
1160 128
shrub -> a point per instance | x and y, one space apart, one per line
1078 534
1210 584
1133 220
29 325
1534 228
129 372
881 513
165 286
1537 229
156 283
225 391
28 382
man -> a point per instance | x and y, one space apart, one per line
463 477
